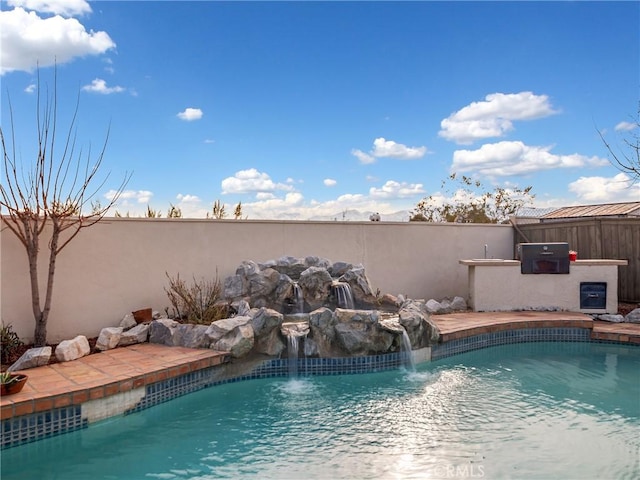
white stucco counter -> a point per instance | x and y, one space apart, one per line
498 285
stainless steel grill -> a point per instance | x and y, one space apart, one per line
543 258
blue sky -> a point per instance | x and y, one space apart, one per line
305 110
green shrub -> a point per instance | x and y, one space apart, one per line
9 343
199 302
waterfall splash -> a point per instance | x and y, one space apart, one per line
294 331
293 347
405 351
344 296
298 298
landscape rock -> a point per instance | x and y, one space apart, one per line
34 357
128 321
73 349
221 328
162 331
137 334
316 286
459 304
239 341
359 333
235 287
633 316
610 318
360 286
321 325
109 338
433 306
266 324
193 336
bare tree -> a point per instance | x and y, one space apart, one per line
469 202
627 158
46 199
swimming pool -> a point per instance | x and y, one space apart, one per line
539 410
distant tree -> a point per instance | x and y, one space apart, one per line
237 213
627 158
218 210
469 202
44 200
151 213
174 212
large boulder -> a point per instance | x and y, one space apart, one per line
290 266
322 333
414 317
266 324
359 333
234 335
316 286
235 287
73 349
360 287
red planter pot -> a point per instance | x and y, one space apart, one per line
15 386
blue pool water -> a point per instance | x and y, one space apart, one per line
541 410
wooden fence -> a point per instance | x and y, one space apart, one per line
613 238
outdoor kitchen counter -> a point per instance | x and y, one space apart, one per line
499 285
497 262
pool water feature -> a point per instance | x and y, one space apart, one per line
539 410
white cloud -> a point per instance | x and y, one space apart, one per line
388 148
66 8
494 116
393 189
264 196
383 148
29 41
250 181
31 88
188 198
190 114
329 182
364 158
191 206
100 86
129 196
625 126
619 188
209 140
516 158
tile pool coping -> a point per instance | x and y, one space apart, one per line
68 396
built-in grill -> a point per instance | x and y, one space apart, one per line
543 258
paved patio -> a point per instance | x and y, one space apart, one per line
123 369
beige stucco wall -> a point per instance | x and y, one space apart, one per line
119 264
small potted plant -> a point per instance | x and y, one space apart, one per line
573 255
11 383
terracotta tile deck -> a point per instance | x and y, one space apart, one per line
122 369
107 373
467 324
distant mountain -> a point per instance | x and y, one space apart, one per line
358 216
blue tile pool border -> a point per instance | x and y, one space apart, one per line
33 427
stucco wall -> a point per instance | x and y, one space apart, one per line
119 264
